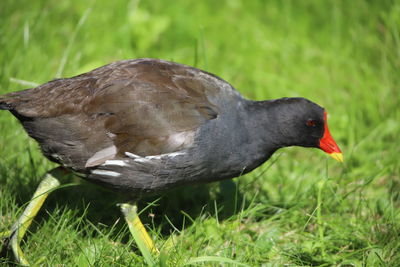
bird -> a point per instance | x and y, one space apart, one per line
143 126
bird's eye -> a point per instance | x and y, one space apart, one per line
311 123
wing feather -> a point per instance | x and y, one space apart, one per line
145 107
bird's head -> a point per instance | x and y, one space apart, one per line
304 123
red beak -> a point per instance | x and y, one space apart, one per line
327 144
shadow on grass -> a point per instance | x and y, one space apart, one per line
166 213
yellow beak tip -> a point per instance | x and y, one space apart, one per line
337 156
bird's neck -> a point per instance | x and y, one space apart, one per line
265 126
246 139
256 137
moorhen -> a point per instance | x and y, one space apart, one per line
146 125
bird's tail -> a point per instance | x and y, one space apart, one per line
10 101
6 102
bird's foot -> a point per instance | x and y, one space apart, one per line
19 228
139 233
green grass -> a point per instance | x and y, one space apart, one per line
300 208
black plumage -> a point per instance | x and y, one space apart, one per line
146 125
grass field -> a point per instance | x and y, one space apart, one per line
300 208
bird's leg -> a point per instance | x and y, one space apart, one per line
19 228
138 231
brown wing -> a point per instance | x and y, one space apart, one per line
145 107
155 112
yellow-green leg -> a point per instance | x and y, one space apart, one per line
139 233
19 228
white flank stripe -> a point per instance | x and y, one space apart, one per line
132 156
172 155
115 162
142 160
106 173
148 158
153 157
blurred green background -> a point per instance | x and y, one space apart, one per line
300 208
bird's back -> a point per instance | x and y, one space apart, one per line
145 107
